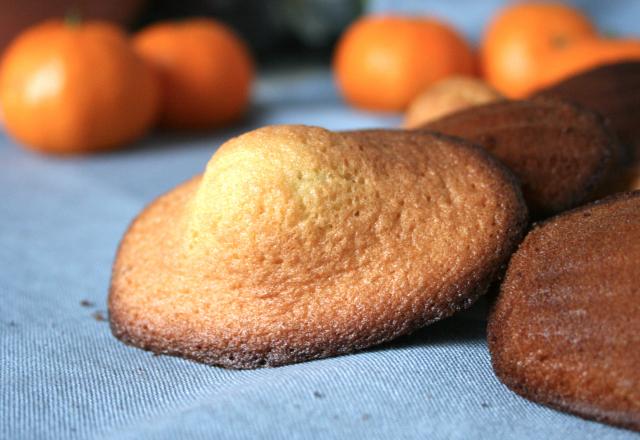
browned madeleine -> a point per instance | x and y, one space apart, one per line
300 243
626 178
561 153
565 329
612 90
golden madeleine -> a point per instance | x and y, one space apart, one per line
299 243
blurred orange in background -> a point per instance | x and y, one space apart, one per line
518 40
584 55
86 87
16 16
75 87
383 62
205 70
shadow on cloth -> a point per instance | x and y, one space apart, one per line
468 326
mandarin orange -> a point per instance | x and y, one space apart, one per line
205 69
518 39
383 62
75 88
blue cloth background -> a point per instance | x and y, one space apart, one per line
63 376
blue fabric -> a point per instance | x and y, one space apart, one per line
63 376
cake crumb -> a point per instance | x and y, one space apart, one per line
98 315
86 303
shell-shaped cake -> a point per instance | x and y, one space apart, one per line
299 243
561 153
565 330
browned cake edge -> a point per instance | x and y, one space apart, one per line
465 291
608 81
598 178
501 365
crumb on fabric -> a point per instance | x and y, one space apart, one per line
99 315
86 303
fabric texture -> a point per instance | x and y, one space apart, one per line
63 375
